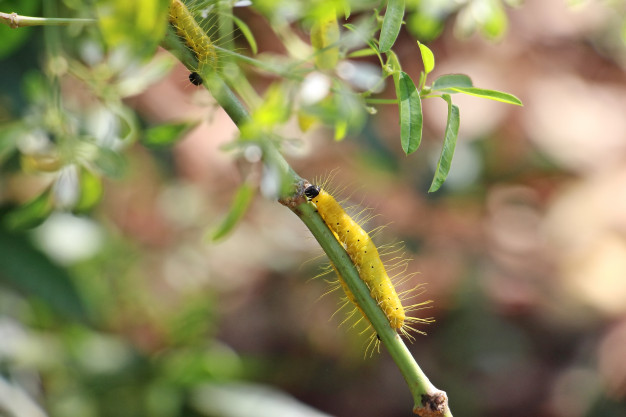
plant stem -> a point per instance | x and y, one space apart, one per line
381 100
429 401
15 21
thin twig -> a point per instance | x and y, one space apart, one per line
14 20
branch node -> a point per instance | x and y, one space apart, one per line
433 405
14 22
296 198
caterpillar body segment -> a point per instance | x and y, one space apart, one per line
364 255
194 36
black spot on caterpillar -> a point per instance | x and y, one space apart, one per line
195 78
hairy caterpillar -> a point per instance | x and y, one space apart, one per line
195 37
366 258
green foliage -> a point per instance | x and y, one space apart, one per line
428 58
411 118
324 39
392 22
426 19
241 203
449 143
26 269
445 83
247 33
166 134
490 94
32 213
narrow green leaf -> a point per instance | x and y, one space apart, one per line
275 108
324 38
494 21
357 31
424 25
90 191
31 214
110 163
427 57
448 81
449 144
341 129
166 134
411 118
25 268
362 52
247 33
392 22
347 9
240 205
490 94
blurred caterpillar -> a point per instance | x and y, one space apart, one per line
196 39
366 258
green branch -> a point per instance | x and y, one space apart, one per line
14 21
429 401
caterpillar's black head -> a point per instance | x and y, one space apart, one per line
312 191
195 78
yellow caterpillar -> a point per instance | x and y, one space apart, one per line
196 39
366 258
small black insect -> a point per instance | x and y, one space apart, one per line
195 78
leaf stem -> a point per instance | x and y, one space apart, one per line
381 100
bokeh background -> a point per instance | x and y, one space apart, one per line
133 311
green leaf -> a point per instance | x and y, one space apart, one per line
411 118
362 52
494 22
347 9
247 33
90 191
341 129
427 57
240 205
424 26
275 108
110 163
490 94
31 214
449 143
325 38
166 134
357 31
392 22
448 81
10 134
25 268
